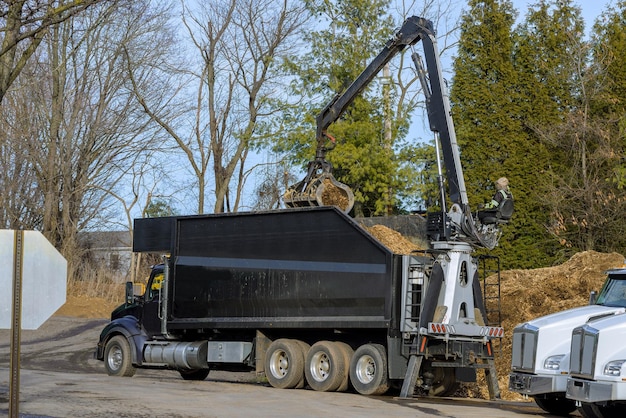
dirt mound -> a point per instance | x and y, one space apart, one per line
86 307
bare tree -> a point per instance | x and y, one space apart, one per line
239 43
84 129
20 199
23 25
261 33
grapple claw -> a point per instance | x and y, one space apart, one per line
323 190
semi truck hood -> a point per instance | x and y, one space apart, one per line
542 345
571 318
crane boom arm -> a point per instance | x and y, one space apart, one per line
458 224
413 30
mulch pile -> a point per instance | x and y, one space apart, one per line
334 196
393 240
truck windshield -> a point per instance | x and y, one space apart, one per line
613 292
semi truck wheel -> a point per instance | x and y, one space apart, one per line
587 411
609 411
325 366
284 364
118 358
304 347
199 374
556 405
348 352
368 370
444 382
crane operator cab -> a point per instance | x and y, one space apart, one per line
500 209
499 215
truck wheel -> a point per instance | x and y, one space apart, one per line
284 364
609 411
347 352
199 374
325 366
118 358
556 405
444 383
368 370
304 347
587 410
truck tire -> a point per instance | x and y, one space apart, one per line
118 358
304 347
284 364
587 411
198 374
609 411
368 370
445 383
325 367
556 405
348 352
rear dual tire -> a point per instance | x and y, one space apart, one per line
326 367
368 370
284 364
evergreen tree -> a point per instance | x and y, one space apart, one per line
549 53
353 33
488 118
609 41
609 58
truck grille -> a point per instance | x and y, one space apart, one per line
582 358
524 348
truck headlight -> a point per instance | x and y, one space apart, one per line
553 362
614 368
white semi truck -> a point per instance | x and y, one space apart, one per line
541 347
597 381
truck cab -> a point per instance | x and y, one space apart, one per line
145 305
541 347
598 368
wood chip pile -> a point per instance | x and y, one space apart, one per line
334 196
393 240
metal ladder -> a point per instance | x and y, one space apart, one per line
490 269
412 308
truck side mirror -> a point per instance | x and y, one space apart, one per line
130 293
132 290
593 295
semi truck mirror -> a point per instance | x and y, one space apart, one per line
130 293
592 297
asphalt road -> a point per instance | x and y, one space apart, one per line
60 378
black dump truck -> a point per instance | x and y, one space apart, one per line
306 296
301 295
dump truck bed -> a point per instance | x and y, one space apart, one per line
294 268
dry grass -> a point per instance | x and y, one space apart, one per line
93 293
99 283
